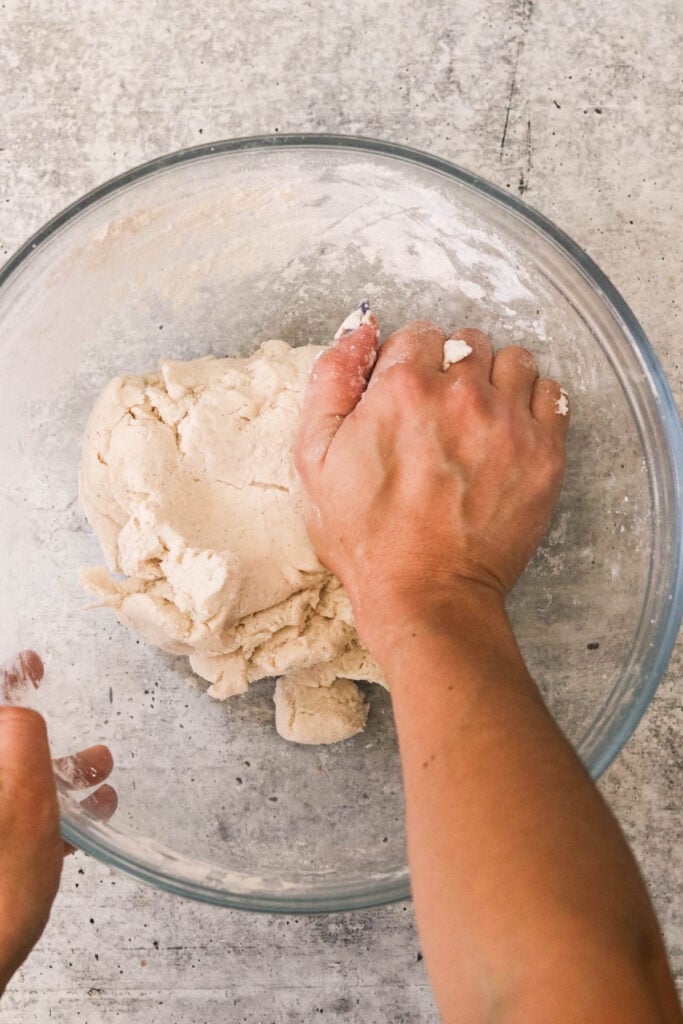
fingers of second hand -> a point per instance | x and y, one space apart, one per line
101 804
25 669
85 769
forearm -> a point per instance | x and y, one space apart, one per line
521 877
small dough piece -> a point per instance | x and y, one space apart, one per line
319 714
454 351
188 480
562 403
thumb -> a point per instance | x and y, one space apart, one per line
25 752
336 384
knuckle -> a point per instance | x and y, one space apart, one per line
550 462
475 339
471 334
551 384
509 447
406 382
471 399
549 387
419 327
519 356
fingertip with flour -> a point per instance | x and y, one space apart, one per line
362 314
338 380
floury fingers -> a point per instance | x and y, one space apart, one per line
361 315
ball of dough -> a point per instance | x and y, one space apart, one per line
319 714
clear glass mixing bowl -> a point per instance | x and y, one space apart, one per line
213 250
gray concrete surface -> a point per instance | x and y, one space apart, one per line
577 107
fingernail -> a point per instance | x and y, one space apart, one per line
360 315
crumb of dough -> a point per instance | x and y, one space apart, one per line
187 478
562 403
454 350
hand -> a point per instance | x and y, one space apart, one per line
418 479
31 847
428 491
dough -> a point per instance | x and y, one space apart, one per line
187 479
319 714
454 351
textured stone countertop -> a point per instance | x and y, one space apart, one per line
578 108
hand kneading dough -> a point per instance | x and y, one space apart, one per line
187 479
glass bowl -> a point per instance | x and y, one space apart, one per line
212 250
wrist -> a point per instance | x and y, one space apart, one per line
447 658
387 619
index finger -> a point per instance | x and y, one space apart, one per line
335 386
419 342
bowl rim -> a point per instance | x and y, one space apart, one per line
397 888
